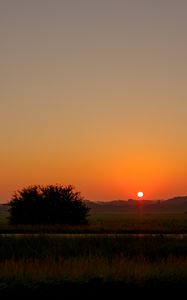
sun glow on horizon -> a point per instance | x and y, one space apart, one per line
140 194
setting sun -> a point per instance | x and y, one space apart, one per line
140 194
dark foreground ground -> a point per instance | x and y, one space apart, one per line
95 291
94 264
88 266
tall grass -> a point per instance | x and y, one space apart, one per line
121 269
145 261
44 246
137 271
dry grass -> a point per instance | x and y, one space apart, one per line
137 271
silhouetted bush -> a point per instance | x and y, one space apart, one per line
51 204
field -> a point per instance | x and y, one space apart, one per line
101 255
108 222
98 261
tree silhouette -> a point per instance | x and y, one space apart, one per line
51 204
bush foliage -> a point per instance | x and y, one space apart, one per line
51 204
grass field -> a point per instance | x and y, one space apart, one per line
58 263
141 262
107 223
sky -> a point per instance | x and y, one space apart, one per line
93 94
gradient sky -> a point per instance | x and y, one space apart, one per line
94 94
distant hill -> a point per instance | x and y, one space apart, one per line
177 204
173 205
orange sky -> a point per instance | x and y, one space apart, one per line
93 93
